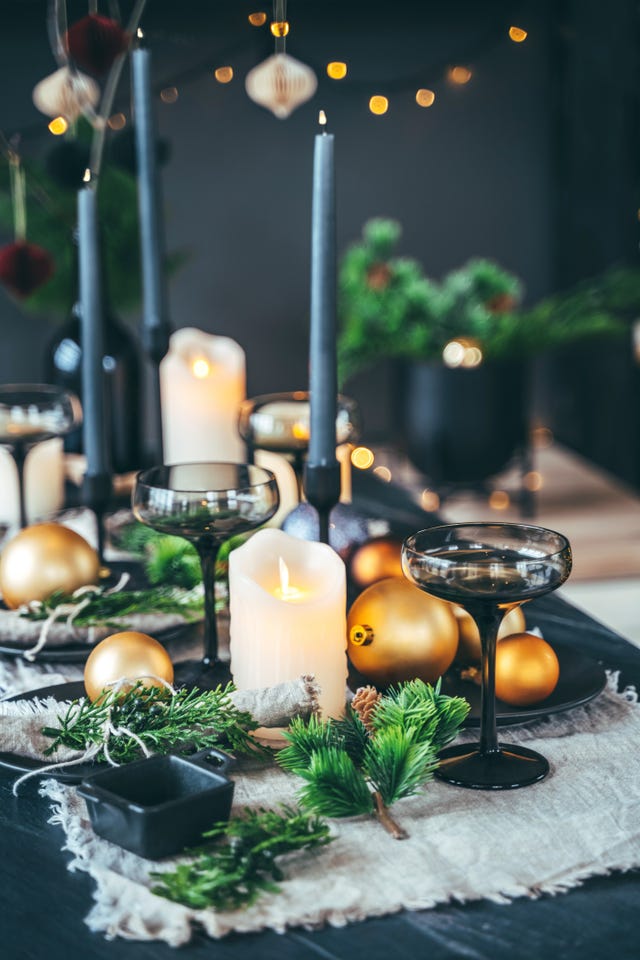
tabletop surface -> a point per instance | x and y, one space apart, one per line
44 905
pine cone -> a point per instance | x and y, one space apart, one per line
378 276
364 703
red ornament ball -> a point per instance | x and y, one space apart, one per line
94 43
24 267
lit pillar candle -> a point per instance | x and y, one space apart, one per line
43 481
202 383
285 625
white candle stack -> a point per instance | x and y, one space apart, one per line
43 481
280 631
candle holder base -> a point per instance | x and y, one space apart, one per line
322 490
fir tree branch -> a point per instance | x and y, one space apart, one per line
397 764
245 864
335 787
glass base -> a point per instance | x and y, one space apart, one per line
510 767
202 675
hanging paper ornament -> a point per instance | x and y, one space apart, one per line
65 94
24 267
94 43
281 83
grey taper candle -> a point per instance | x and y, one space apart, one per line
323 377
150 208
92 335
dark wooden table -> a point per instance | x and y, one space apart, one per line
43 905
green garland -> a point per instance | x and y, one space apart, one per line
245 864
187 721
351 769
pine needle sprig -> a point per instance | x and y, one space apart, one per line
188 721
113 609
398 763
335 787
245 864
350 768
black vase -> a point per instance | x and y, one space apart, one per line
463 425
122 367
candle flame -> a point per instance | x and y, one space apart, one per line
86 177
201 368
139 33
285 591
322 118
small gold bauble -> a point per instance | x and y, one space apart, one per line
376 560
129 655
527 669
44 558
469 645
397 632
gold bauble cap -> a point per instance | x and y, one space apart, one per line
43 558
128 655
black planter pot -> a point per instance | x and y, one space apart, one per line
121 363
463 425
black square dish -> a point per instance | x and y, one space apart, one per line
159 806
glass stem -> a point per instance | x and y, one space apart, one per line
20 452
488 623
208 552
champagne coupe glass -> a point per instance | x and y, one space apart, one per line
206 503
29 414
280 423
488 568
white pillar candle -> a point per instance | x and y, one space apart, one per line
287 483
279 632
202 383
44 483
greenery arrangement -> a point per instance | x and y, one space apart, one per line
186 722
382 751
388 308
111 609
244 864
51 206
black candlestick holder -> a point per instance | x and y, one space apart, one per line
96 494
155 341
322 490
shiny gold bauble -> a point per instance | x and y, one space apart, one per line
44 558
376 560
129 655
469 645
527 669
397 632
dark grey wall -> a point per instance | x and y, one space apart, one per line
470 176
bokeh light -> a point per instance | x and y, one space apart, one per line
337 70
378 105
425 97
362 458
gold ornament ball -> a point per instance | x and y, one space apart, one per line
44 558
527 669
130 655
376 560
397 632
469 645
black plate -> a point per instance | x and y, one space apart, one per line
581 679
78 652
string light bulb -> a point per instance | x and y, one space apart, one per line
117 122
280 28
362 458
460 75
58 126
224 74
425 97
337 70
517 34
378 105
257 19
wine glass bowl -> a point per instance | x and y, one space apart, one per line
206 503
488 569
280 423
29 414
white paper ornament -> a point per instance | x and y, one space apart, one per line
65 93
281 83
